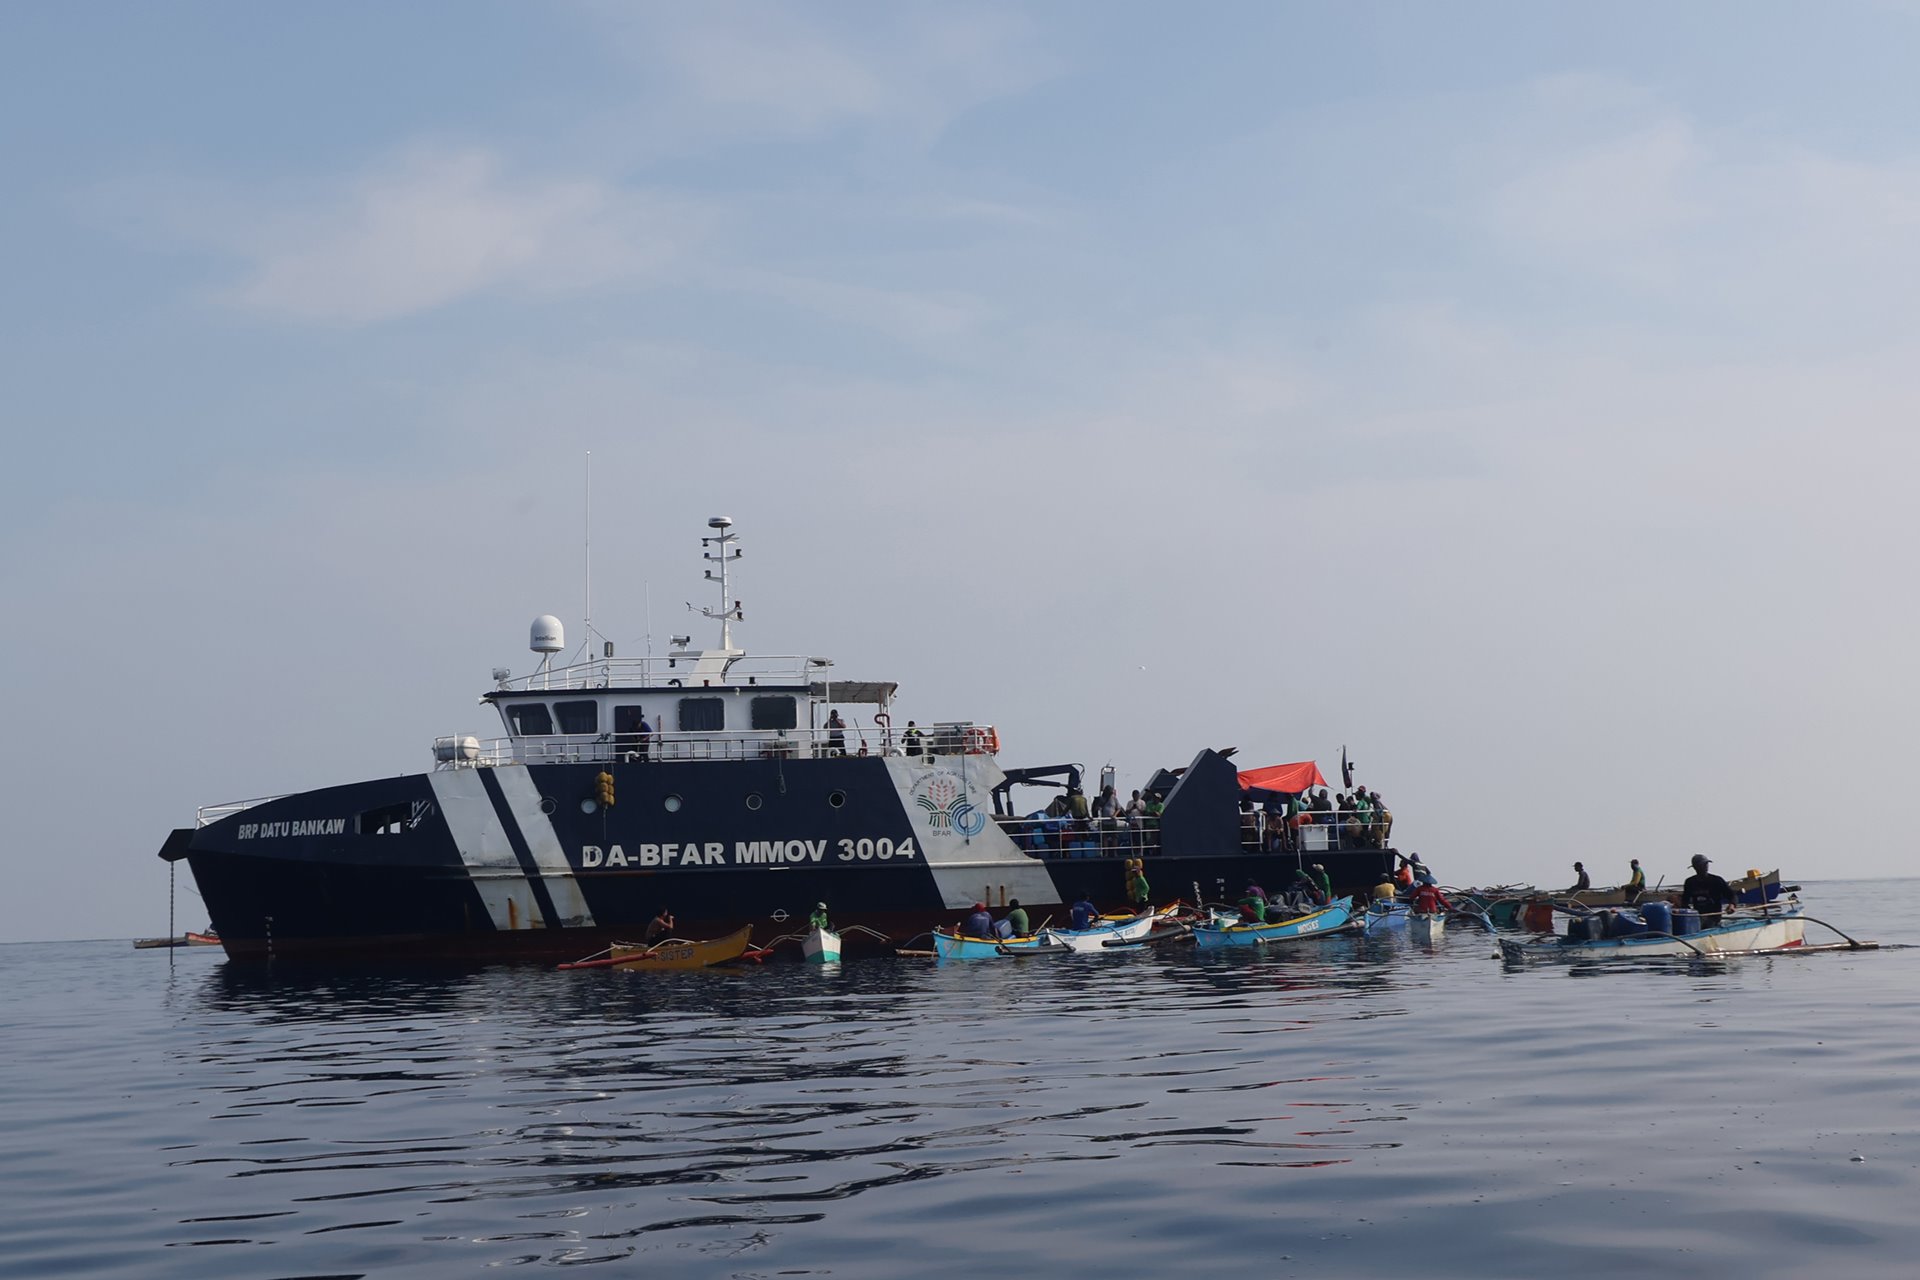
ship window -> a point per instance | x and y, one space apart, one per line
389 821
702 715
578 717
775 713
529 718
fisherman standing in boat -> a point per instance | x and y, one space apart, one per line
1138 893
1706 893
1322 882
1428 898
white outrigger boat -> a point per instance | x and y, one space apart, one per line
1427 926
1106 932
821 946
1609 935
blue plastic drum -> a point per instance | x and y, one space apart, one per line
1685 921
1658 915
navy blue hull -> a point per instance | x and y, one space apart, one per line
516 864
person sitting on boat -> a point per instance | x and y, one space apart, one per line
661 926
1322 882
1706 893
818 920
1636 881
1083 913
1387 890
1139 896
1303 888
1428 899
1580 880
1016 920
1253 904
979 924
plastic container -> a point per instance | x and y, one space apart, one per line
1600 925
1685 921
1658 916
1626 924
1537 917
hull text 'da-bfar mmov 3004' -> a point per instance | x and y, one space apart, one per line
730 790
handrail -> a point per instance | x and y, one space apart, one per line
945 739
689 668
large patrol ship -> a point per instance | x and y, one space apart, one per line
730 789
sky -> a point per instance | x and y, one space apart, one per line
1521 396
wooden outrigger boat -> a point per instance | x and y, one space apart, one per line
670 954
1330 919
1607 935
821 946
1104 934
948 945
1426 926
1386 913
187 939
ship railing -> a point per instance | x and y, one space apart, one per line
1134 836
1070 837
678 669
947 739
210 813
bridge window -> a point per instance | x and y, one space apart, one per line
578 717
529 718
702 715
775 713
389 821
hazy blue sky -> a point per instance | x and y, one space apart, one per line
1520 394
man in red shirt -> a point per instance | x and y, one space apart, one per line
1428 899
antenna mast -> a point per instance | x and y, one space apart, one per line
723 554
586 574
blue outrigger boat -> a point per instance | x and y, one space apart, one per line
1387 914
1104 932
1329 919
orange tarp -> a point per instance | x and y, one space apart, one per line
1292 778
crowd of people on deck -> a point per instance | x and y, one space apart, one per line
1356 819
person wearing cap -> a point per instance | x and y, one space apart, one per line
1083 913
1706 893
1253 904
1322 882
1580 880
979 924
1636 881
1016 920
818 920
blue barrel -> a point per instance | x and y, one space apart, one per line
1600 925
1685 920
1625 923
1658 915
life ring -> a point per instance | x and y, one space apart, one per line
982 741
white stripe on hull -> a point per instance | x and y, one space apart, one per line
523 800
943 799
485 848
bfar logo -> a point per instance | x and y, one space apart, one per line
947 805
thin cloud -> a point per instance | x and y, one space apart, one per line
436 226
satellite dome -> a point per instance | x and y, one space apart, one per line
548 636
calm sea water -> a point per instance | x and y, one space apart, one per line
1348 1108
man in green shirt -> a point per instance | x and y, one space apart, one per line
818 920
1636 882
1016 919
1319 876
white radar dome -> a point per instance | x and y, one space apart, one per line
548 636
